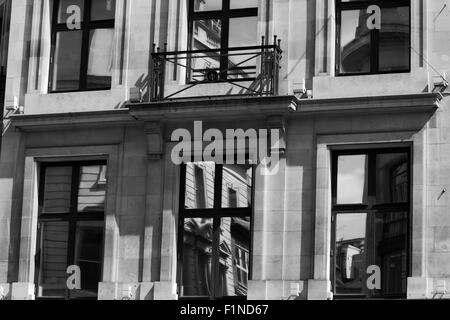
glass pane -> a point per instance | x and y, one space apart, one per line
392 178
103 10
355 42
70 9
390 252
350 273
89 257
206 35
100 58
58 184
394 39
352 179
237 186
207 5
241 4
197 257
200 185
234 257
243 33
92 189
52 264
66 68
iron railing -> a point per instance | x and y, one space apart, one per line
253 70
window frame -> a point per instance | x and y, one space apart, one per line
86 27
224 15
374 36
72 218
370 208
216 214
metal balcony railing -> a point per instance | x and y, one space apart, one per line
253 70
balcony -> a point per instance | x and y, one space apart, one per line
244 71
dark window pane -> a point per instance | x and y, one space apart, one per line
89 257
237 186
100 58
197 257
207 5
352 179
394 39
392 178
355 42
350 253
103 10
234 257
92 189
67 8
57 189
200 185
66 69
52 264
390 251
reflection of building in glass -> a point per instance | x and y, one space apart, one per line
208 34
350 265
392 44
234 247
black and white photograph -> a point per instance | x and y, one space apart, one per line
240 151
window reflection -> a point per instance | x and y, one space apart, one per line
83 42
200 185
52 259
350 253
92 189
197 257
236 186
101 55
352 179
390 253
378 236
394 39
355 42
216 239
66 69
234 256
392 178
364 51
88 256
58 184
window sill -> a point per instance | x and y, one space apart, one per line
352 86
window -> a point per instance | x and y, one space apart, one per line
70 228
368 48
371 221
222 25
82 45
214 239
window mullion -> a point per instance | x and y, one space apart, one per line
215 268
85 45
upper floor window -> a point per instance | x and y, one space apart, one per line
221 25
82 45
373 36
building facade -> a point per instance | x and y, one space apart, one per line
102 95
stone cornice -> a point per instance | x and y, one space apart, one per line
229 109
